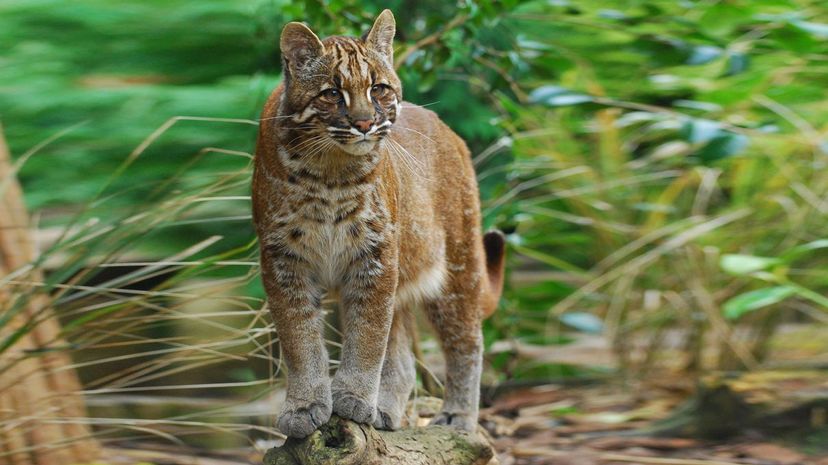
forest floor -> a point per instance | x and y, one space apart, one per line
610 424
606 425
777 415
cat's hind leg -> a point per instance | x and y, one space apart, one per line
456 317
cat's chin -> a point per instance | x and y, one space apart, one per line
359 149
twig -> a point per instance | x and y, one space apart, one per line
536 452
430 39
668 111
662 460
519 93
125 455
790 116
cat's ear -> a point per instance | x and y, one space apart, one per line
381 36
299 45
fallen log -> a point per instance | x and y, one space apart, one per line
343 442
725 405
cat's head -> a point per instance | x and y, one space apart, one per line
342 88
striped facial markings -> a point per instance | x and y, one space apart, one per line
357 86
305 115
377 127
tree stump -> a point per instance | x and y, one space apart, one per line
41 408
343 442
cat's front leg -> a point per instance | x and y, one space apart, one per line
294 302
368 306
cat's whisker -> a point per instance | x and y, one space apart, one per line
290 142
408 155
309 141
310 152
421 106
318 146
406 159
324 146
308 148
278 117
416 132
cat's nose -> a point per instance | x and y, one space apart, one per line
363 125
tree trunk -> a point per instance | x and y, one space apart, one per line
40 400
342 442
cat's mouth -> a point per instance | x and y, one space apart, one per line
356 141
359 146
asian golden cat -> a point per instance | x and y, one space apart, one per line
359 193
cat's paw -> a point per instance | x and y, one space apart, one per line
388 420
461 421
390 411
348 405
300 420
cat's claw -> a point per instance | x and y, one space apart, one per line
300 422
348 405
461 421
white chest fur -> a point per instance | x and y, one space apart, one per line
331 250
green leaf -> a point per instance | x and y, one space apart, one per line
723 18
818 30
697 105
612 14
548 259
724 145
703 54
737 63
755 300
795 252
582 321
568 99
557 96
543 92
740 265
794 39
701 130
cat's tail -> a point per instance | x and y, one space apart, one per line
494 244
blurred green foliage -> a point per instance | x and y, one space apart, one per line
660 167
628 147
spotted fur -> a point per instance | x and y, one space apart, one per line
359 194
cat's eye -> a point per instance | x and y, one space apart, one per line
378 90
331 94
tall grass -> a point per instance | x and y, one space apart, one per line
661 172
689 265
664 175
659 246
175 348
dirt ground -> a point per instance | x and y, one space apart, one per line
603 425
777 415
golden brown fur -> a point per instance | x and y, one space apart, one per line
358 193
